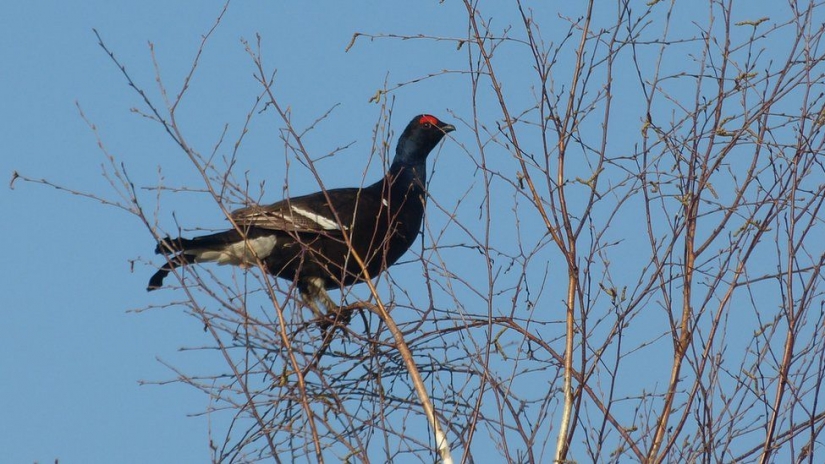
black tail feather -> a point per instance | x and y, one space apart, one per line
167 245
179 250
156 281
181 259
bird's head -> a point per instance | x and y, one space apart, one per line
419 138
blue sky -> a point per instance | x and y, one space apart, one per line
74 352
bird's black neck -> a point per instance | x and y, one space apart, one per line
407 177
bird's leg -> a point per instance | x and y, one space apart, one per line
309 300
330 305
336 314
313 291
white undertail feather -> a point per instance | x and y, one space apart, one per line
239 253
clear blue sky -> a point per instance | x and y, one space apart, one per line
72 356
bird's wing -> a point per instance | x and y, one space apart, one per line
309 213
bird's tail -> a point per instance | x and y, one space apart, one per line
176 251
229 247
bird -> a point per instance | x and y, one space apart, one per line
312 239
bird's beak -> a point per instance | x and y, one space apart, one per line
447 128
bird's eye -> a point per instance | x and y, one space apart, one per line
427 125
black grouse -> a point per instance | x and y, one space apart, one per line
311 239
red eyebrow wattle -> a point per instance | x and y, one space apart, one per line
428 119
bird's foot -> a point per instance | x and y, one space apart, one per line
335 317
